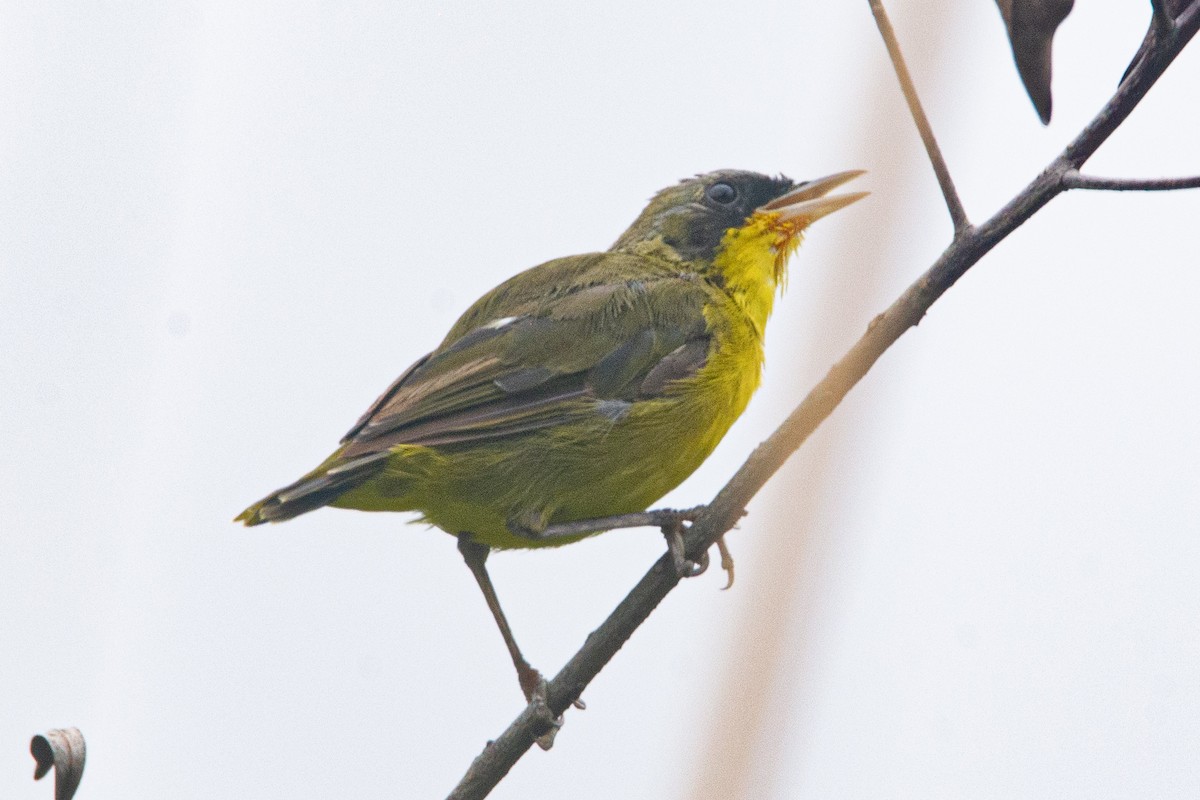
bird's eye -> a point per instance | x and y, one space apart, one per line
721 193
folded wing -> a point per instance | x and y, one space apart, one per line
538 367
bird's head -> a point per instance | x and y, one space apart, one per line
736 222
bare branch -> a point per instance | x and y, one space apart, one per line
1163 26
958 215
724 511
1163 21
1073 179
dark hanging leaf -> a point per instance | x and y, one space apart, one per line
1031 25
63 750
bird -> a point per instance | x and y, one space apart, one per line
583 388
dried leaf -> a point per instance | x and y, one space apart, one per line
62 749
1031 25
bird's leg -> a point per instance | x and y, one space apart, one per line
669 520
535 530
475 555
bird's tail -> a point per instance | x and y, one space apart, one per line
316 489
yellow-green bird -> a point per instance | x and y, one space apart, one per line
585 387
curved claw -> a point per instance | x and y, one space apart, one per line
726 561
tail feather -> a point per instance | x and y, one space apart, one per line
316 489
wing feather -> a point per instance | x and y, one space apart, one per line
525 362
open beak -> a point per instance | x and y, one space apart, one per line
810 201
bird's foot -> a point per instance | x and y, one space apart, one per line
529 525
673 531
541 710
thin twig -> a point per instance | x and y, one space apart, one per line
1073 179
724 511
958 214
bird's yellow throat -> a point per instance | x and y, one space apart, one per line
752 261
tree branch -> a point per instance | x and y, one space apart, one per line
1073 179
958 214
724 511
1163 20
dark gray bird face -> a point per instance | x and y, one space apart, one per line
692 216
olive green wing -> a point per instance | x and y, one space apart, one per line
525 361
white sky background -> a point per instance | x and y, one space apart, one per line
224 228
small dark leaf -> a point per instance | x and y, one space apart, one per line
1031 25
63 750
